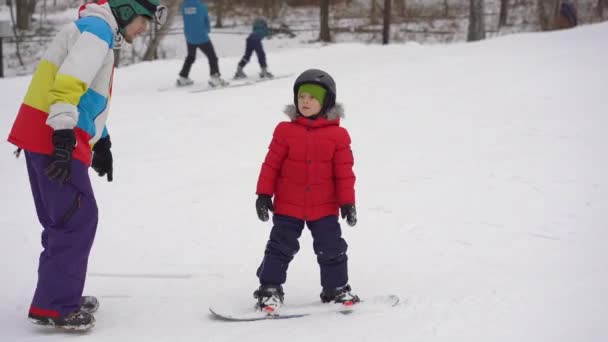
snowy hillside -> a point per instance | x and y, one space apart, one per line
482 197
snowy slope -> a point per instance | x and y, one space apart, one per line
482 197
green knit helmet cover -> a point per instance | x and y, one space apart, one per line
315 90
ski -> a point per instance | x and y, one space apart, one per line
238 83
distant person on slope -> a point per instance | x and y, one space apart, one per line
567 17
61 127
254 43
309 171
196 29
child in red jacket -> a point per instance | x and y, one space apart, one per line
309 170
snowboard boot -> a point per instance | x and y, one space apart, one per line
89 304
78 320
265 73
217 81
184 81
270 298
239 74
340 295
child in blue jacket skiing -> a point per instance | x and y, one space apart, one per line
254 43
196 29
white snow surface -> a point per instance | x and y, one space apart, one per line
481 191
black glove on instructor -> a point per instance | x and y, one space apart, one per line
102 158
59 169
262 205
349 212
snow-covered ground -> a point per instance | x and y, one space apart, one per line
482 197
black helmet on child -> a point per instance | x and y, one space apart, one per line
320 77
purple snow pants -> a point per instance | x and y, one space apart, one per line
328 244
68 215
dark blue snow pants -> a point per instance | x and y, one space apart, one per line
254 44
328 244
209 51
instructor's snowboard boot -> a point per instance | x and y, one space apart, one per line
89 304
77 320
340 295
270 298
82 319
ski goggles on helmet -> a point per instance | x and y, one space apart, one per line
160 15
160 12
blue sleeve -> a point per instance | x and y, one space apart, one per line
98 27
105 132
207 21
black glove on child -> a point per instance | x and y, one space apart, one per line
102 158
262 205
59 169
349 212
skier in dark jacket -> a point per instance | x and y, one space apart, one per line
196 29
567 17
254 43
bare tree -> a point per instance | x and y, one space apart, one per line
43 13
386 27
503 14
547 13
601 4
17 38
151 51
373 16
401 7
220 7
324 34
477 29
270 8
25 10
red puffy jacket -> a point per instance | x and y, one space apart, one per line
309 167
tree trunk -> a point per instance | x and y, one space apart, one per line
268 8
401 7
373 16
476 21
25 10
220 6
504 13
43 13
386 29
324 34
17 39
601 4
151 51
547 13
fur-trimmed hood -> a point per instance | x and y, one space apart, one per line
336 112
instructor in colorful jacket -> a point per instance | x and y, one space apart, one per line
61 128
